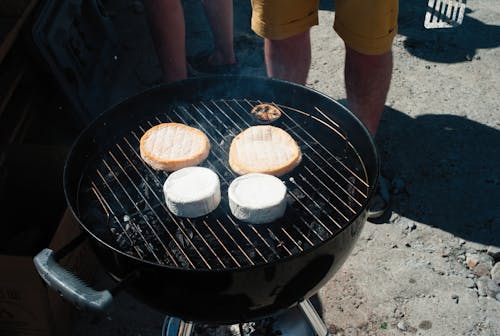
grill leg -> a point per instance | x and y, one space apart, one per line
186 328
313 318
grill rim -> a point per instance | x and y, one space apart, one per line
231 269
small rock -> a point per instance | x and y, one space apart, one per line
402 325
394 217
425 325
487 287
482 284
398 314
445 253
407 245
469 283
495 273
473 260
494 252
482 270
455 298
411 227
461 242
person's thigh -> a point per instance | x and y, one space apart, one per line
367 26
280 19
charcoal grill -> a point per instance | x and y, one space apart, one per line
215 268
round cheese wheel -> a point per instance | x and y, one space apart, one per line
192 192
257 198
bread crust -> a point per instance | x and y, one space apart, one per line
156 157
264 149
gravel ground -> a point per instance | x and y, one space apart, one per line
429 267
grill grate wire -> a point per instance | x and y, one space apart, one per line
325 194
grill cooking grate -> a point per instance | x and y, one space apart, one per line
325 192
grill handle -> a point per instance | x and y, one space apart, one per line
70 286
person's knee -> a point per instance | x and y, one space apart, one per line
296 41
368 59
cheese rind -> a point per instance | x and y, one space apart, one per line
192 192
257 198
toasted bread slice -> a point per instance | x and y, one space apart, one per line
172 146
264 149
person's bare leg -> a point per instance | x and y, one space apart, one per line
166 19
367 80
289 59
220 18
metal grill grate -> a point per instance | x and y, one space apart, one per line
325 192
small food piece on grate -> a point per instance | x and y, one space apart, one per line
266 112
192 192
257 198
172 146
264 149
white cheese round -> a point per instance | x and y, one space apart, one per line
257 198
192 192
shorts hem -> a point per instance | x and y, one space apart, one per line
281 32
372 46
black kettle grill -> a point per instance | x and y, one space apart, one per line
233 271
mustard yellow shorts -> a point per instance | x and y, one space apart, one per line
367 26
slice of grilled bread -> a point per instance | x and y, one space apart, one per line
264 149
172 146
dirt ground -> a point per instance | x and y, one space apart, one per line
428 267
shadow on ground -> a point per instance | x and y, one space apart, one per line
446 45
447 170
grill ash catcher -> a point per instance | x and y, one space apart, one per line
215 269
